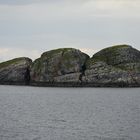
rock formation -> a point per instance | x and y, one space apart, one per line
116 66
61 65
16 71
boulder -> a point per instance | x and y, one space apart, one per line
15 71
114 66
60 65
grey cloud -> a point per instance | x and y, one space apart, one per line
20 2
65 23
26 2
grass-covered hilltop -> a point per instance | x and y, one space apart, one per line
116 66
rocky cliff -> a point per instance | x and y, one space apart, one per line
60 65
116 66
16 71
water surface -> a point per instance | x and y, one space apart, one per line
35 113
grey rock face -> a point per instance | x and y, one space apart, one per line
117 65
73 77
114 66
61 65
15 71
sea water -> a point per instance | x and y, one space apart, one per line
36 113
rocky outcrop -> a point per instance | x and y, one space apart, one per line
16 71
114 66
60 65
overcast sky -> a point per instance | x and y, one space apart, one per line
30 27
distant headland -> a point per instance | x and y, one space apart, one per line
115 66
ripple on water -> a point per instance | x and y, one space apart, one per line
31 113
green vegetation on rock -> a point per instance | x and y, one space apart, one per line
57 63
116 65
114 48
15 71
115 55
12 62
51 53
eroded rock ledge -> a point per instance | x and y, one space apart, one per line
116 66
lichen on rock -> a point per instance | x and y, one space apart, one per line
114 65
15 71
54 64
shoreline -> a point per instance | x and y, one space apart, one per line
72 84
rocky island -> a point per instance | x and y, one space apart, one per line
115 66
